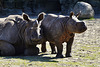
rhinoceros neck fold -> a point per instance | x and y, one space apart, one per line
21 29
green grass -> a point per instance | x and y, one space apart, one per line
92 18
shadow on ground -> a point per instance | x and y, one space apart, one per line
40 58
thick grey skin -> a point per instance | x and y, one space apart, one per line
58 29
18 35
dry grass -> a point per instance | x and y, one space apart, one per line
85 52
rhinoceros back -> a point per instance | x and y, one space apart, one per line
9 30
52 27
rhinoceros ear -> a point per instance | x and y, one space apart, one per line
25 17
41 16
71 14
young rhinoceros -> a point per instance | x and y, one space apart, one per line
19 34
58 29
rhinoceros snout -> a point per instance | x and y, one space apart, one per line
36 39
81 27
80 24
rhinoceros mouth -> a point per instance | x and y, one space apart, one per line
36 40
82 30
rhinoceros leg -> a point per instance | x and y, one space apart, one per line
59 50
6 49
43 47
31 51
68 47
53 48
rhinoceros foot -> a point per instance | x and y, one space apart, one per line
68 55
59 56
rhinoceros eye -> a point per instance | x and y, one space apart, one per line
31 28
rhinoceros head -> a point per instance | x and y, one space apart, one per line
32 32
74 25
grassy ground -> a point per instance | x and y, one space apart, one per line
85 52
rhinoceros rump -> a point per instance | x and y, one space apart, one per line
58 29
18 35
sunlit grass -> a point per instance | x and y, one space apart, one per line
85 57
85 53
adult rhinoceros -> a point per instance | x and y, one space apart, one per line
19 34
58 29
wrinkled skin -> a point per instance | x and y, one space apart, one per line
19 35
58 29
